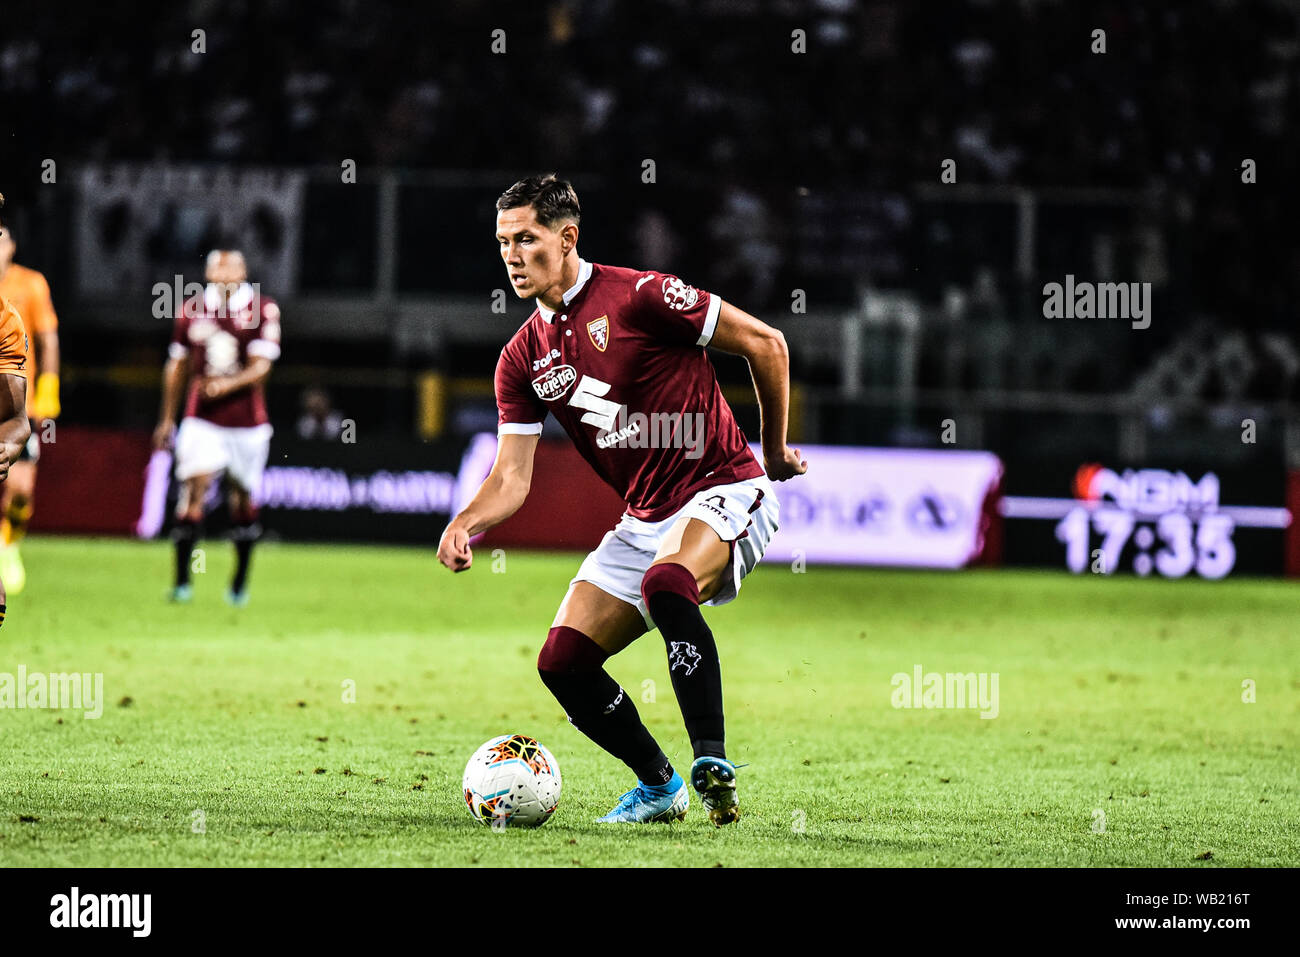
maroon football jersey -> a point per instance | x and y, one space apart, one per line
219 341
622 367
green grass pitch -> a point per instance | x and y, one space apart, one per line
1122 737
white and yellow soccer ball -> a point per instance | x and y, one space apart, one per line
512 781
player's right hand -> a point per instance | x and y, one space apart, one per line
163 435
453 550
790 464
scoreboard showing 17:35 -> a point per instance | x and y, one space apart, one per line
1146 520
1172 543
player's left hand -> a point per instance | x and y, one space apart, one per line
790 464
454 550
216 388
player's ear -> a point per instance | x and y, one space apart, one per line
569 237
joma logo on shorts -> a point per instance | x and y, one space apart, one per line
553 383
713 508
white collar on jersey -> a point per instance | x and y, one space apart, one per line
239 299
584 273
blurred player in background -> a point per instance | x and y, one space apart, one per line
225 342
14 425
29 293
611 352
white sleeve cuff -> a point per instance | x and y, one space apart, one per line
177 351
264 348
519 428
710 320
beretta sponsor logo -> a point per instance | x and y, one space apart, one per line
553 383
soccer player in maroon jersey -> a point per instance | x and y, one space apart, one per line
225 340
617 356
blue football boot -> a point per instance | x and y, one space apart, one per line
647 802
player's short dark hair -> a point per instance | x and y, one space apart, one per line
553 199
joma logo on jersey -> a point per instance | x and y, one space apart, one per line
553 383
544 361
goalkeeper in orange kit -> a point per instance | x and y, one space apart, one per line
14 361
29 293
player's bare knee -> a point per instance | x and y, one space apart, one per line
189 507
20 484
711 586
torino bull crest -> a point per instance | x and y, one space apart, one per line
598 329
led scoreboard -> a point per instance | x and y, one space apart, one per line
1147 521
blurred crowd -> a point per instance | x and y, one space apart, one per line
808 159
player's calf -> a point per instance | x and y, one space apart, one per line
13 526
673 598
571 666
185 534
245 533
17 513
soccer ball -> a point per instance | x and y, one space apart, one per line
512 781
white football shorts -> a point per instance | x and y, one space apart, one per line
203 448
744 513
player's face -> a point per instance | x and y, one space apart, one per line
7 249
226 270
533 254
